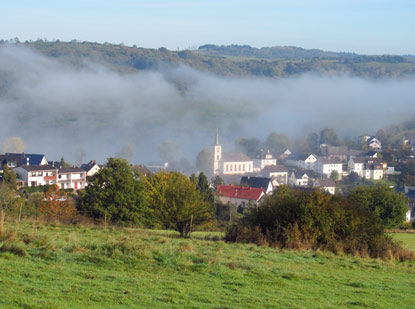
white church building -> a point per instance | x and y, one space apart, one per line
230 163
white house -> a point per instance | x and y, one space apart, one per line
326 166
230 163
72 178
267 160
374 143
327 185
37 175
369 168
298 179
278 174
304 161
91 168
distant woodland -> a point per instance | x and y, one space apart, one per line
233 60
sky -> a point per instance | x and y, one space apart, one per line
361 26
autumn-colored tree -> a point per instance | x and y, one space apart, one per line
56 204
176 202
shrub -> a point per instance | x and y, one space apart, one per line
313 219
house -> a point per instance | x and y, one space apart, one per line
258 182
267 160
37 175
298 179
30 158
71 178
278 174
374 143
370 168
325 166
302 160
156 167
327 185
91 168
18 159
239 196
230 163
373 171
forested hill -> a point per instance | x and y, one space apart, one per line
231 60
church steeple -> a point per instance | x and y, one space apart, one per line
217 153
217 139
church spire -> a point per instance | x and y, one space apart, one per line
217 139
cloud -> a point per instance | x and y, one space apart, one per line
63 109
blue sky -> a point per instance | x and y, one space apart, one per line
363 26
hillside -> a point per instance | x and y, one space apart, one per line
231 60
44 266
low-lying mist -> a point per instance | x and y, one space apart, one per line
88 111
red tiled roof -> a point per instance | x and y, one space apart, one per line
247 193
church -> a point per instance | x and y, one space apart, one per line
230 163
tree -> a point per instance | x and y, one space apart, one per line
56 204
204 161
217 181
313 144
249 146
176 202
169 151
202 184
334 175
63 163
277 143
7 199
329 136
388 206
9 177
115 194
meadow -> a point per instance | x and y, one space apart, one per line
60 266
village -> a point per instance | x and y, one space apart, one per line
243 181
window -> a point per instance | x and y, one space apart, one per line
231 167
226 167
240 167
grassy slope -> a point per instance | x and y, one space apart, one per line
91 267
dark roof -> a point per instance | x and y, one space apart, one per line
34 159
256 182
326 182
235 157
299 156
140 168
411 194
299 174
275 169
71 170
87 167
30 168
371 153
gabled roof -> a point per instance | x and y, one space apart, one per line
256 182
299 174
31 168
33 159
325 183
275 169
235 157
87 167
246 193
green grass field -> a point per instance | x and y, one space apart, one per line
72 266
407 240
